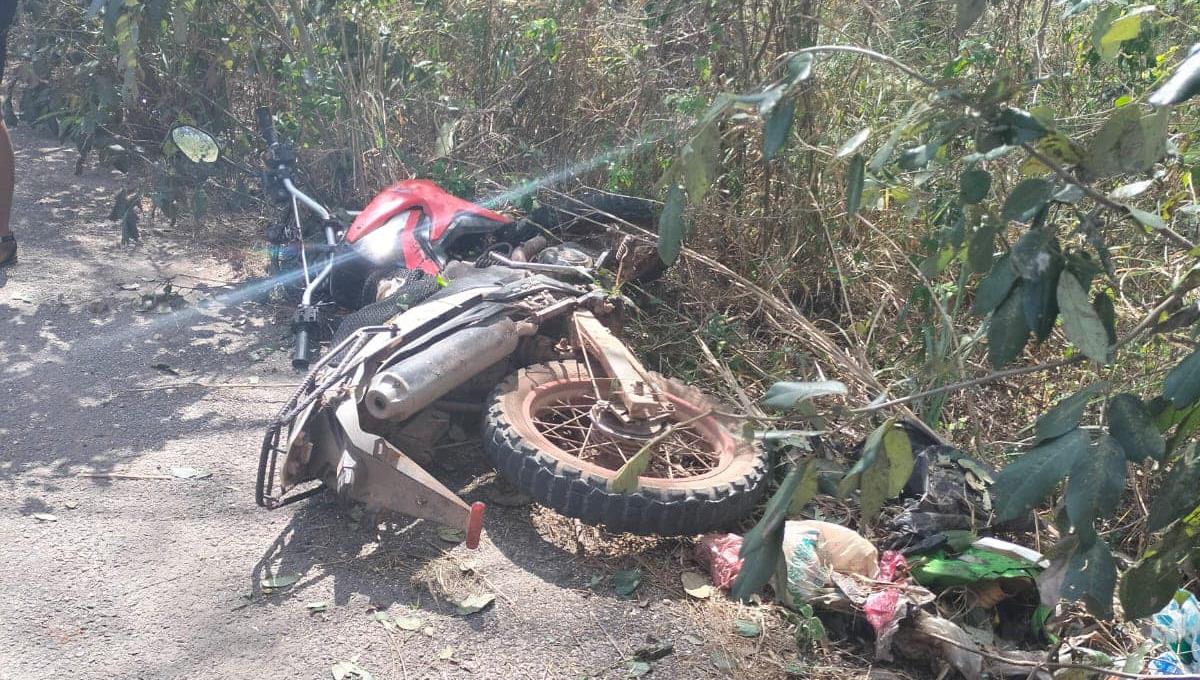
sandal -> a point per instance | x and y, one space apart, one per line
8 253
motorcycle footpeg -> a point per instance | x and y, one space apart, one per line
304 327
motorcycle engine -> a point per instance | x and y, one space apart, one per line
570 254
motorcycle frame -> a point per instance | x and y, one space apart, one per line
331 445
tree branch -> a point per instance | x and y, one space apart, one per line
1171 235
871 54
1167 232
1147 322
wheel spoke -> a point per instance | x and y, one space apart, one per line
569 424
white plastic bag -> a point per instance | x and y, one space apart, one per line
812 551
1178 627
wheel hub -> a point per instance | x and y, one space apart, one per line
608 421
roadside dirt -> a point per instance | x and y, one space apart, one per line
160 577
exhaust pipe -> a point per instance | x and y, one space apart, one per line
399 392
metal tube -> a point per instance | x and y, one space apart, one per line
306 199
400 391
306 299
300 240
539 267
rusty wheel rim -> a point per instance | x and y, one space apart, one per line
561 414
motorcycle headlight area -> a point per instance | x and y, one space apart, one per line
382 246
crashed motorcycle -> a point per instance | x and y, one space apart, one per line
575 421
412 227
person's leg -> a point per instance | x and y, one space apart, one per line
8 246
8 243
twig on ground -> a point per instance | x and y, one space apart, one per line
122 475
607 635
197 383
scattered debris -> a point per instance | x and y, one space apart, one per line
384 620
272 584
1013 550
189 473
317 606
349 670
473 603
814 551
696 585
638 669
972 567
654 651
719 552
451 534
722 661
160 302
71 505
410 623
946 492
120 475
626 581
883 607
935 640
44 517
446 653
747 628
165 368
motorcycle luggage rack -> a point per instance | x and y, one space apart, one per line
305 395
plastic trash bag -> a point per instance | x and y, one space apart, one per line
881 606
1178 627
719 552
813 551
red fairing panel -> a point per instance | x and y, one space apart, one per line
434 212
441 207
414 256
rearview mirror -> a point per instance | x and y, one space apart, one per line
196 144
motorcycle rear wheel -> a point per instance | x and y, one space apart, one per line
538 434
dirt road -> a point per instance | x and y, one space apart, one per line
112 566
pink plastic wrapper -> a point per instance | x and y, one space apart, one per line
719 552
893 568
880 607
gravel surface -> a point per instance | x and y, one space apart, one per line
114 567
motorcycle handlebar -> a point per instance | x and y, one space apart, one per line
265 126
302 352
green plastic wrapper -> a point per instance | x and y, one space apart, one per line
938 571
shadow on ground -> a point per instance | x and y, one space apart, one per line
384 562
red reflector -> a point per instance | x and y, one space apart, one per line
475 524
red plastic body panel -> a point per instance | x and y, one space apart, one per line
439 209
